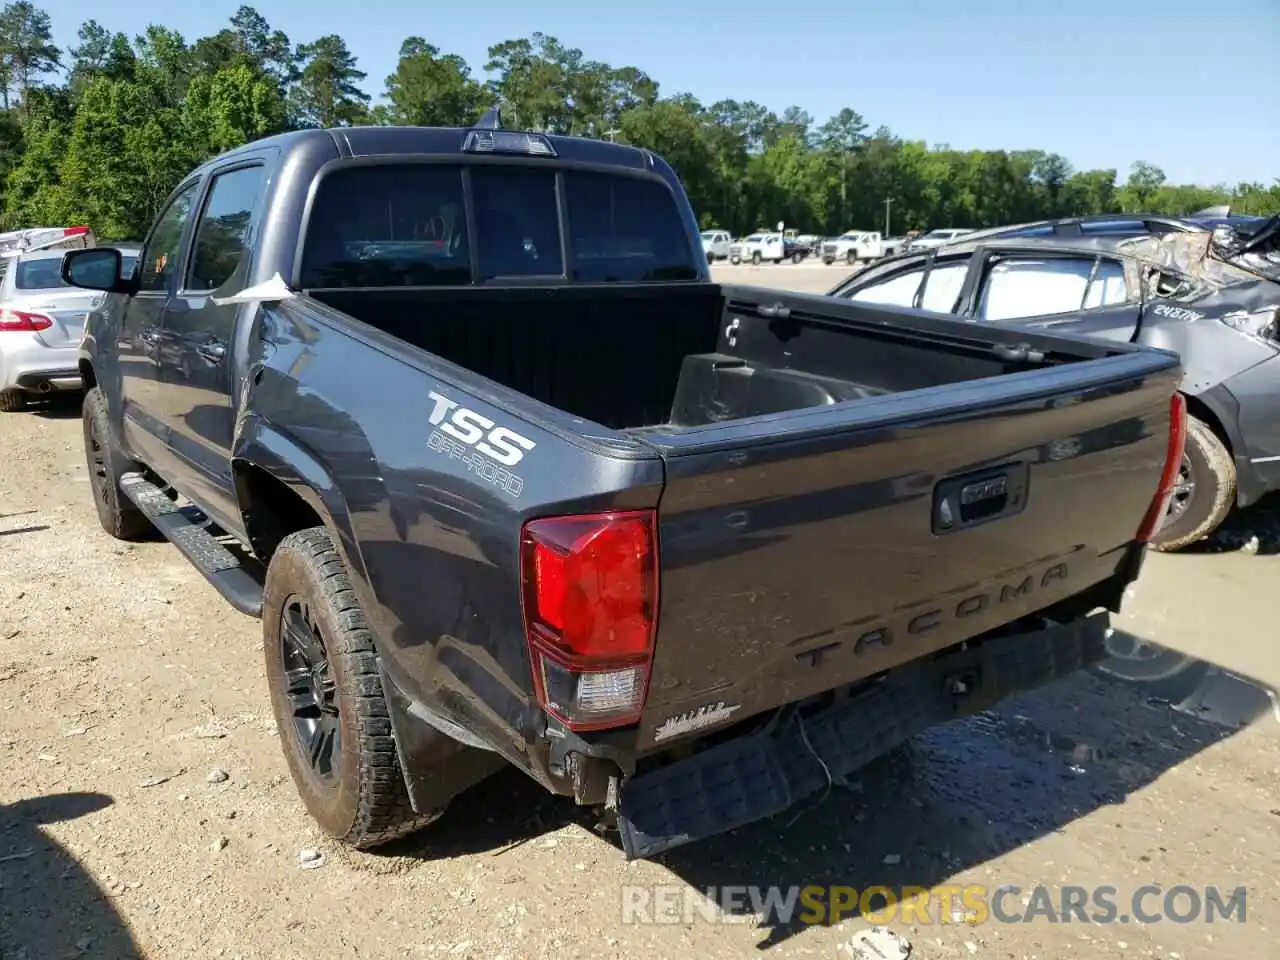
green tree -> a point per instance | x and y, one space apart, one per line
432 89
27 51
328 92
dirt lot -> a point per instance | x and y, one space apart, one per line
145 808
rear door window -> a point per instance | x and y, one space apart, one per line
224 227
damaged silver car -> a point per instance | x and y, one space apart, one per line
1212 296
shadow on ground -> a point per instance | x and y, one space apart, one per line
954 797
1256 529
49 905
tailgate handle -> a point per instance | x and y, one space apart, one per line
967 500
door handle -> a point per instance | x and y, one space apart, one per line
212 351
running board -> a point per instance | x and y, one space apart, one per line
220 566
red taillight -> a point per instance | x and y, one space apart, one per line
74 231
1172 464
22 320
590 607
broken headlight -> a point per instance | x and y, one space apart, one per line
1263 324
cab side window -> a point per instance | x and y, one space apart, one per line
160 258
224 227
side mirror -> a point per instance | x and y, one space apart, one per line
97 268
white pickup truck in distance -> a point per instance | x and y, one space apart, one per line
852 246
759 247
715 244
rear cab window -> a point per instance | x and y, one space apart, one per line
413 225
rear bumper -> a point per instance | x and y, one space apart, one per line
28 364
753 777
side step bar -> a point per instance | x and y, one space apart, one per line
753 777
220 566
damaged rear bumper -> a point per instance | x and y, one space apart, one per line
757 776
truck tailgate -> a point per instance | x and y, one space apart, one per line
803 552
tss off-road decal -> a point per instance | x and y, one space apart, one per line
483 447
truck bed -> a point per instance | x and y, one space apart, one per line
685 355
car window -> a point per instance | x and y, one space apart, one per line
1028 287
940 292
517 223
624 230
224 227
42 274
160 258
387 225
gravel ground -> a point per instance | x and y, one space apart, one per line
145 807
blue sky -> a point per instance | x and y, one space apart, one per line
1190 86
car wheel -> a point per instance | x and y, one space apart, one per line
13 401
327 697
711 258
851 257
756 258
107 464
797 257
1204 493
735 260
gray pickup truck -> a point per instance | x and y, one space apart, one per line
461 416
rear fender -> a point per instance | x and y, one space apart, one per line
261 445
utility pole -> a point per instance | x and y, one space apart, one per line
888 202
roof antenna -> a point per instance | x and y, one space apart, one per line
491 120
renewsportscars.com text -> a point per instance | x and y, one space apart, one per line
971 904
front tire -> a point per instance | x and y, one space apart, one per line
755 259
1205 491
851 258
107 464
327 697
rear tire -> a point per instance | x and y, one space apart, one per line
13 401
327 696
107 464
851 257
1198 508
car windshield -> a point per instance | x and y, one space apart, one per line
46 273
409 225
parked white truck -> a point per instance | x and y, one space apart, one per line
852 246
759 247
715 245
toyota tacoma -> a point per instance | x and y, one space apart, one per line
461 416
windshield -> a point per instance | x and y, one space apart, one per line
408 225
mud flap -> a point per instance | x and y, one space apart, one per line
750 778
